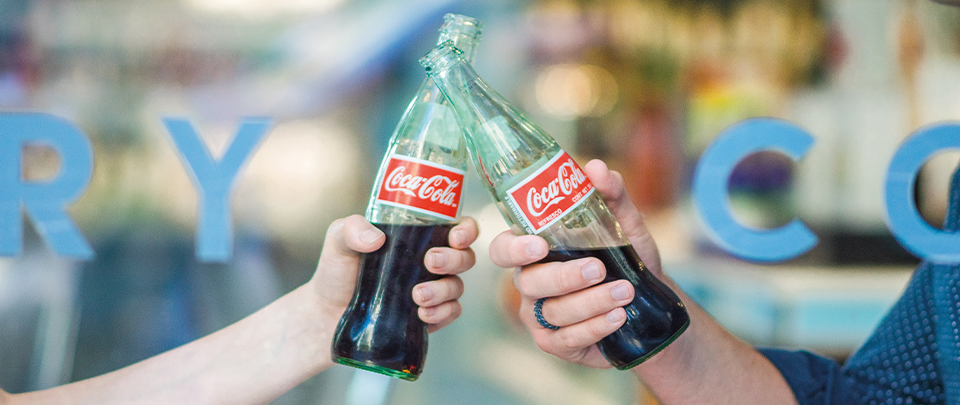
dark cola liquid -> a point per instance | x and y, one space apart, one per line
380 331
655 317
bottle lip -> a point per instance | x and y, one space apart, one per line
441 58
462 25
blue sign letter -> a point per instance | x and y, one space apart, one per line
903 220
45 201
214 181
710 189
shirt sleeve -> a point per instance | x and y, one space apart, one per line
814 380
911 356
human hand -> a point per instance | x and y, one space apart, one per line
585 310
336 275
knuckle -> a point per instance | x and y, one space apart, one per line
356 217
501 250
597 330
565 282
568 340
335 226
596 305
523 283
518 254
353 222
471 227
570 277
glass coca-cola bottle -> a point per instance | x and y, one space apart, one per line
415 202
539 189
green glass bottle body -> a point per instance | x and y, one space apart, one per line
539 189
415 201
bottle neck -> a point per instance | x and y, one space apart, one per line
456 79
464 31
466 42
501 140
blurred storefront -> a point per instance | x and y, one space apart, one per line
645 85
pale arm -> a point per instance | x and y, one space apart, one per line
269 352
708 365
252 361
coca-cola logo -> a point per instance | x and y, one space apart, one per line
422 186
438 188
569 178
548 194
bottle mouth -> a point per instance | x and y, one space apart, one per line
441 58
459 24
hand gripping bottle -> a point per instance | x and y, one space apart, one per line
415 202
540 190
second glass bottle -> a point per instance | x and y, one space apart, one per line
539 189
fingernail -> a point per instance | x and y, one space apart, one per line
439 259
533 249
591 271
370 235
614 316
429 311
426 293
620 292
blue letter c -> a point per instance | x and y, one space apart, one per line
903 220
710 189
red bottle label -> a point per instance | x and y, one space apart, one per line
422 186
550 193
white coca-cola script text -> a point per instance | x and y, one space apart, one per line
437 188
569 178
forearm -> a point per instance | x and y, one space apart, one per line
250 362
708 365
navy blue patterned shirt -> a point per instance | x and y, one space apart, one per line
913 357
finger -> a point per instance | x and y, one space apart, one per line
439 316
449 261
353 234
436 292
577 337
586 304
464 234
613 190
346 238
508 250
611 186
558 278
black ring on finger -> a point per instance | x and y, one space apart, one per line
538 313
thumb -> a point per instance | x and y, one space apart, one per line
611 187
336 275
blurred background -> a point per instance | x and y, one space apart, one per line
643 84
